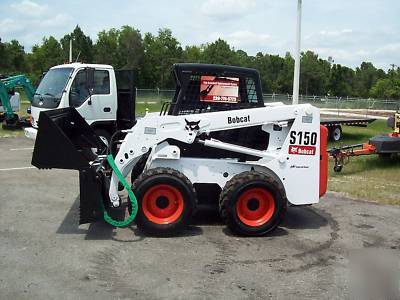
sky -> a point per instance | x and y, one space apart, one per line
349 31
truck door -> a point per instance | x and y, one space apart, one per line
101 105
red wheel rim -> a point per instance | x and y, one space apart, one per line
162 204
255 207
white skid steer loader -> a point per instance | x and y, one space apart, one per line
215 143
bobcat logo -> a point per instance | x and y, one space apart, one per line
192 125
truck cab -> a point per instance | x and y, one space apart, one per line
93 90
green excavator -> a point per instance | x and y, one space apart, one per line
7 89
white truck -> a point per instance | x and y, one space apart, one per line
104 98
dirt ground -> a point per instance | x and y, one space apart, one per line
45 255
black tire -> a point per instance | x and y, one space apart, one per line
385 156
160 180
247 182
104 135
335 133
337 169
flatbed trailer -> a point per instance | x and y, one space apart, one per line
387 145
335 123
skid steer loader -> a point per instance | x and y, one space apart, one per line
216 142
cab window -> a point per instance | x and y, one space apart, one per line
79 92
101 82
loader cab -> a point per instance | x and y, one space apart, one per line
203 88
206 88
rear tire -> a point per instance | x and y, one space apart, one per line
252 204
166 200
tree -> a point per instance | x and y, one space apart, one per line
131 50
161 52
82 46
314 74
365 77
388 88
12 57
341 81
106 48
193 54
153 55
284 81
219 52
4 60
46 55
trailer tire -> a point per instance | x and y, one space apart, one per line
335 133
385 156
252 203
166 201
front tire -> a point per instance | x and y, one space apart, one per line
252 204
166 200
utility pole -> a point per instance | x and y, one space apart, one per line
70 50
296 79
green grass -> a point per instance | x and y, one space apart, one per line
152 107
367 177
356 135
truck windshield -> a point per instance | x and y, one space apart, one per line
51 87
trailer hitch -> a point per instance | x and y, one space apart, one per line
342 155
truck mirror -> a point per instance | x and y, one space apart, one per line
90 79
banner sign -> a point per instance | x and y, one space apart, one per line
219 89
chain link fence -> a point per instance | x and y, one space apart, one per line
154 95
338 103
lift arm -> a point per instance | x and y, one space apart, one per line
8 84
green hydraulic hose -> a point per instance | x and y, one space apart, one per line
131 195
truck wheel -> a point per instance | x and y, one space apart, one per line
252 204
335 133
166 200
104 136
